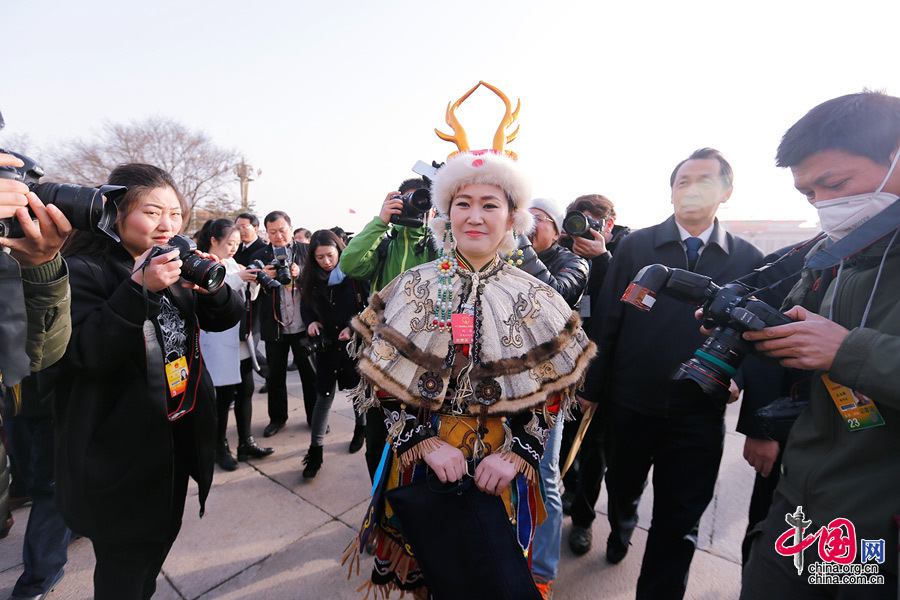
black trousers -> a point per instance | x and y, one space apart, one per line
376 438
685 452
276 356
770 576
592 467
241 394
128 571
760 503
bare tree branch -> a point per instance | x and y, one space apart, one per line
201 169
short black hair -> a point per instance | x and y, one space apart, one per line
725 170
417 183
250 217
865 124
594 203
275 215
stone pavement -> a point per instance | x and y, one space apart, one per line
267 534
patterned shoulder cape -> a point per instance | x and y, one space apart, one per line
529 345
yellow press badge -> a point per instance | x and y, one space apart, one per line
177 375
857 410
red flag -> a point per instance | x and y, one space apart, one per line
352 212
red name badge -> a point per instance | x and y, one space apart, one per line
463 326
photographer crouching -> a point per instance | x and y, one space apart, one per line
135 406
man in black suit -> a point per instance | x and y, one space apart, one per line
281 326
251 243
678 432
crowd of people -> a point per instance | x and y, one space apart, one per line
484 346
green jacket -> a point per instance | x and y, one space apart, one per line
828 469
47 300
408 248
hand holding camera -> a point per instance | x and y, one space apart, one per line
159 271
589 248
42 237
201 271
392 205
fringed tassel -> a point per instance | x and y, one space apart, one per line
521 465
533 428
418 452
363 396
352 553
568 404
354 346
463 388
507 439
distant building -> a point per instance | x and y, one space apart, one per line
769 236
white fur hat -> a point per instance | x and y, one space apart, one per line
482 167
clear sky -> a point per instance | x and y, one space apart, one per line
335 101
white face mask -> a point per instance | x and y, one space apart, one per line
840 216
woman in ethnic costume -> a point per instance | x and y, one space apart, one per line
486 393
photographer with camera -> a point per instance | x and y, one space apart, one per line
836 464
36 325
329 299
134 408
378 253
281 325
679 433
589 230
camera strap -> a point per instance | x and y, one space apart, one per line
873 230
153 351
781 258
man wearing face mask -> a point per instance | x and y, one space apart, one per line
649 422
840 463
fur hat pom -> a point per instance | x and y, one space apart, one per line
438 225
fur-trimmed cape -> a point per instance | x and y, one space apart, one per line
531 344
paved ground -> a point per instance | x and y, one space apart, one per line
267 534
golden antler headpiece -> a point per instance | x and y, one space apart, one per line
494 167
500 138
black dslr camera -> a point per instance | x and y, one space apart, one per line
262 278
319 343
579 224
416 205
729 308
282 264
207 273
86 208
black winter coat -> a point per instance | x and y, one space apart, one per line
269 306
115 447
334 306
561 269
640 351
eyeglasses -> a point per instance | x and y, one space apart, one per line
542 218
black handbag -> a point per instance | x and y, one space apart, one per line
777 418
462 540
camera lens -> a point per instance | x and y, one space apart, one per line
715 363
87 209
420 200
206 273
575 223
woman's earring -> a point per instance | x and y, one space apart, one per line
514 257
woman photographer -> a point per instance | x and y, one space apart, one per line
471 360
227 356
329 299
130 429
